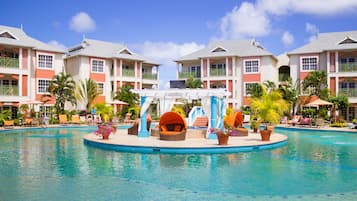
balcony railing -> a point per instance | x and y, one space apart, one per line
189 74
348 67
149 76
217 72
351 92
128 72
8 62
9 90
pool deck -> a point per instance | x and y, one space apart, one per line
121 141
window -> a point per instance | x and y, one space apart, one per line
248 86
218 66
309 63
45 61
251 66
101 88
97 66
42 86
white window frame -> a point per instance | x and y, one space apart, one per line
103 91
45 54
91 65
309 57
38 85
245 87
251 60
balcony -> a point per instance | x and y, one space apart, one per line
186 74
8 62
348 67
9 90
128 72
349 92
217 72
149 76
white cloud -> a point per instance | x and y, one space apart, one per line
314 7
245 21
57 44
312 38
287 38
82 23
311 28
165 53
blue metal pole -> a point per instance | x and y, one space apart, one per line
213 116
143 132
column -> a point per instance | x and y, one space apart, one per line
328 69
115 74
227 70
213 120
177 70
201 69
20 58
142 128
141 75
208 74
337 86
121 72
336 62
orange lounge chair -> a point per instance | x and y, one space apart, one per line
28 122
235 121
62 119
172 127
200 122
9 123
75 119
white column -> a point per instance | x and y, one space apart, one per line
227 69
158 77
208 74
328 69
201 69
141 75
115 74
20 84
20 58
177 70
336 62
121 72
29 78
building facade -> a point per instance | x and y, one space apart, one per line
233 65
335 53
111 66
26 67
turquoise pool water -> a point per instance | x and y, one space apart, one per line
54 164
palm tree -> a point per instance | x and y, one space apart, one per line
269 107
87 91
104 111
124 94
255 90
62 88
290 93
193 83
317 81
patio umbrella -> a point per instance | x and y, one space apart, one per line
117 102
30 102
317 103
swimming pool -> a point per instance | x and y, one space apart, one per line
54 164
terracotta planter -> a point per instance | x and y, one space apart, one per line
271 128
265 134
222 138
105 136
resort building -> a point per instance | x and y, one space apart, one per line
335 53
112 66
234 65
26 68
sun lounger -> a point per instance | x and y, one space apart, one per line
28 122
172 127
75 119
62 119
9 124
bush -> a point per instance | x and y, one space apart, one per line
339 124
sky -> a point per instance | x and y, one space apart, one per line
164 30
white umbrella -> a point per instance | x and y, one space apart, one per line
318 102
30 102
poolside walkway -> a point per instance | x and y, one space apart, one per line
121 139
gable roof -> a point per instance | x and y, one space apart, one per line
17 37
103 49
241 48
329 41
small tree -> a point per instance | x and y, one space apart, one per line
87 91
270 107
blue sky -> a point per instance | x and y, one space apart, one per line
165 30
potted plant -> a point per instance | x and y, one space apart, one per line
270 107
222 135
105 130
254 124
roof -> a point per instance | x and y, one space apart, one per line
17 37
103 49
241 48
329 41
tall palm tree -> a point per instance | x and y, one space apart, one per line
124 94
193 83
87 91
290 93
317 81
62 88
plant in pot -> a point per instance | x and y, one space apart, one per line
270 107
105 130
254 124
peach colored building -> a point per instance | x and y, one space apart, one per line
26 67
111 65
335 53
233 65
